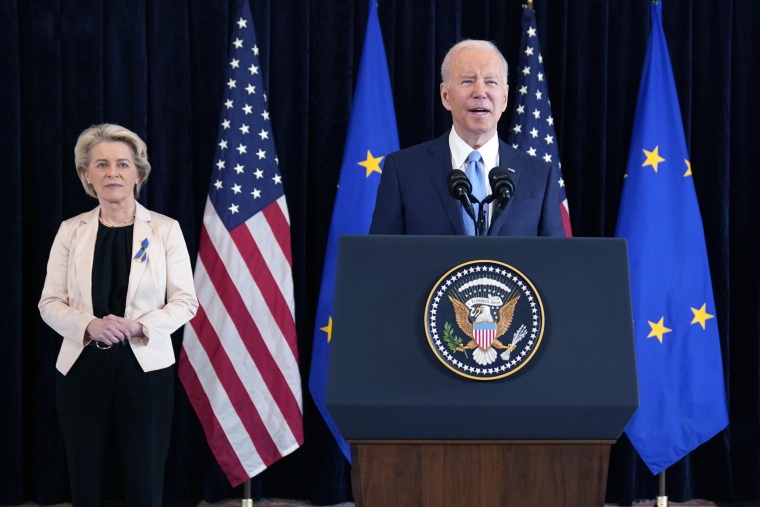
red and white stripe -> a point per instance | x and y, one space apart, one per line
484 337
239 361
564 209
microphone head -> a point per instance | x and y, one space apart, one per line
459 184
501 183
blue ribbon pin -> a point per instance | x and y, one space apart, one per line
142 253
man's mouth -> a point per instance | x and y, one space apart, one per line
479 110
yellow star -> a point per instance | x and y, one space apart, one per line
701 315
328 329
372 164
653 158
658 329
688 168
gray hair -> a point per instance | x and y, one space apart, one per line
110 132
471 44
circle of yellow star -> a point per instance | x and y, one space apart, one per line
658 329
372 164
653 158
328 329
701 315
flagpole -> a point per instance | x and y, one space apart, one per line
529 5
247 501
662 499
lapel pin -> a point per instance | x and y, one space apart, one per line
142 253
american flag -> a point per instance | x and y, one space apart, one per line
532 127
239 361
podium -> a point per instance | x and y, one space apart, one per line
423 435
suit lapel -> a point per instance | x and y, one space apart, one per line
506 159
84 252
438 166
141 232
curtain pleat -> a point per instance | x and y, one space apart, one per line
157 67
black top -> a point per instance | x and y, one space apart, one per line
110 270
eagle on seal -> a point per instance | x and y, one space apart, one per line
467 318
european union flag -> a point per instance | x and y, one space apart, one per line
683 401
372 134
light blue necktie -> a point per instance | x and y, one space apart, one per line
475 174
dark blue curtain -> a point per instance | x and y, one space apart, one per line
157 67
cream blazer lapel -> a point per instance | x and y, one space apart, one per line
142 231
83 250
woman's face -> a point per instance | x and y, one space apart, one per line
112 172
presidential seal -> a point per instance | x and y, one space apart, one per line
484 320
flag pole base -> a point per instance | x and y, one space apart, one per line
662 498
246 501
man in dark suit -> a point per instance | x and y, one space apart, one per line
413 196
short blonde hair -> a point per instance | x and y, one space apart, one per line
471 44
110 132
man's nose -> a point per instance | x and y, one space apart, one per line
480 88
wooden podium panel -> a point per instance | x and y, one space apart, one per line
524 473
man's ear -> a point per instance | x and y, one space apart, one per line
445 97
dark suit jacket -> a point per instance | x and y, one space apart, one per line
413 196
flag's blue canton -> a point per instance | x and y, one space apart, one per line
678 355
532 128
372 134
246 178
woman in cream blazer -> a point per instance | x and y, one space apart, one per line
118 283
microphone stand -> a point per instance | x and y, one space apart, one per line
502 189
498 209
480 225
460 189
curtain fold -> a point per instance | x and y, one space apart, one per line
157 67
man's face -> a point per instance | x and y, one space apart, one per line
476 94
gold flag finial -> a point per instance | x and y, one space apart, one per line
528 5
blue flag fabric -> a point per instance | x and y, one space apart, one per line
680 371
372 134
532 127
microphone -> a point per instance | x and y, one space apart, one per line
460 189
502 189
